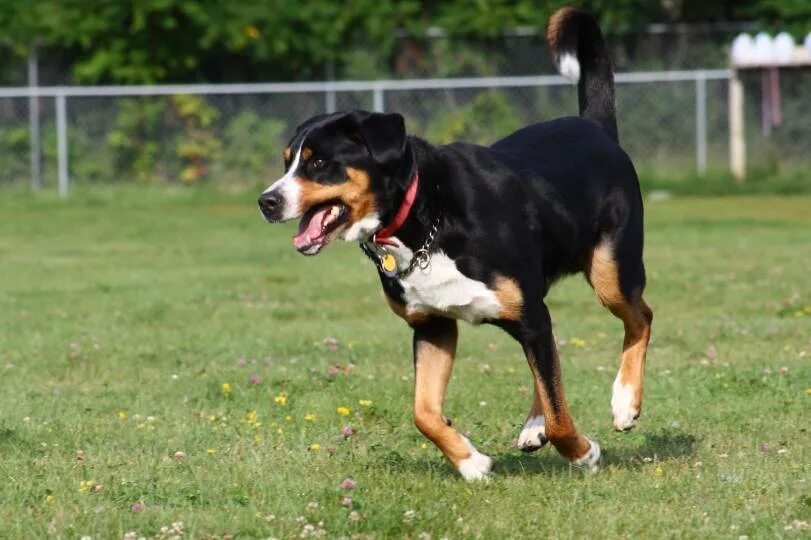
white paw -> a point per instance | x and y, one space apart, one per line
592 461
475 467
533 436
622 406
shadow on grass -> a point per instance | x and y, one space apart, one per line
624 450
620 450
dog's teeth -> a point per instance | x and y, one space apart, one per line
330 217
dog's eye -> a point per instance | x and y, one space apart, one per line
319 164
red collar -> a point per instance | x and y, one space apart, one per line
383 236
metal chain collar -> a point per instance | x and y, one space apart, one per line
421 257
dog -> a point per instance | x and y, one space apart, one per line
481 233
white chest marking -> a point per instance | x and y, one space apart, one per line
363 228
443 289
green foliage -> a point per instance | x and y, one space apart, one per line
134 137
487 117
197 145
14 151
791 15
186 40
252 148
157 139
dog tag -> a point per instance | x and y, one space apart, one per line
388 265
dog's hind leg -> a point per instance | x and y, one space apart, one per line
434 351
534 332
618 277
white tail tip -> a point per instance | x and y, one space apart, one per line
569 67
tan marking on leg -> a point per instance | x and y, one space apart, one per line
415 317
509 296
635 346
603 275
355 192
306 153
433 365
560 429
287 154
537 407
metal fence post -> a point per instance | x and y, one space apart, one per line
33 120
62 143
701 124
378 99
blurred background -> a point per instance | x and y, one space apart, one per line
208 92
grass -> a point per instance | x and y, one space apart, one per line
124 311
763 180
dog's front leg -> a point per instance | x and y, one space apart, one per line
434 351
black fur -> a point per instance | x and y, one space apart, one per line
576 33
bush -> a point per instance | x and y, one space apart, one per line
252 148
483 120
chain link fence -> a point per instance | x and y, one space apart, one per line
671 123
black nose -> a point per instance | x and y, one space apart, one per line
270 204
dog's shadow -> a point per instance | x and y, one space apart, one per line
620 450
632 453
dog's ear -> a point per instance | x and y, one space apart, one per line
385 137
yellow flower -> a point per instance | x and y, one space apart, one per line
288 418
577 342
49 498
252 32
808 391
251 417
310 417
314 446
365 402
343 411
211 451
86 485
281 399
424 446
122 414
658 471
226 389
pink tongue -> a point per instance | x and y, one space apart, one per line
311 230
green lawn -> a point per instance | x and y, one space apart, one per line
126 316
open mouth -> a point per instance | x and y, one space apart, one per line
318 226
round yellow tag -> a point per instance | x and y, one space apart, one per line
388 263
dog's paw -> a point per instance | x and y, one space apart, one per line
533 435
622 406
592 460
477 466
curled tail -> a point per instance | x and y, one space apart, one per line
581 55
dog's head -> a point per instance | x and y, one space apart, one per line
343 174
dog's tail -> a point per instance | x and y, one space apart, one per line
581 55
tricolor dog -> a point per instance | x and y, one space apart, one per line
481 234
